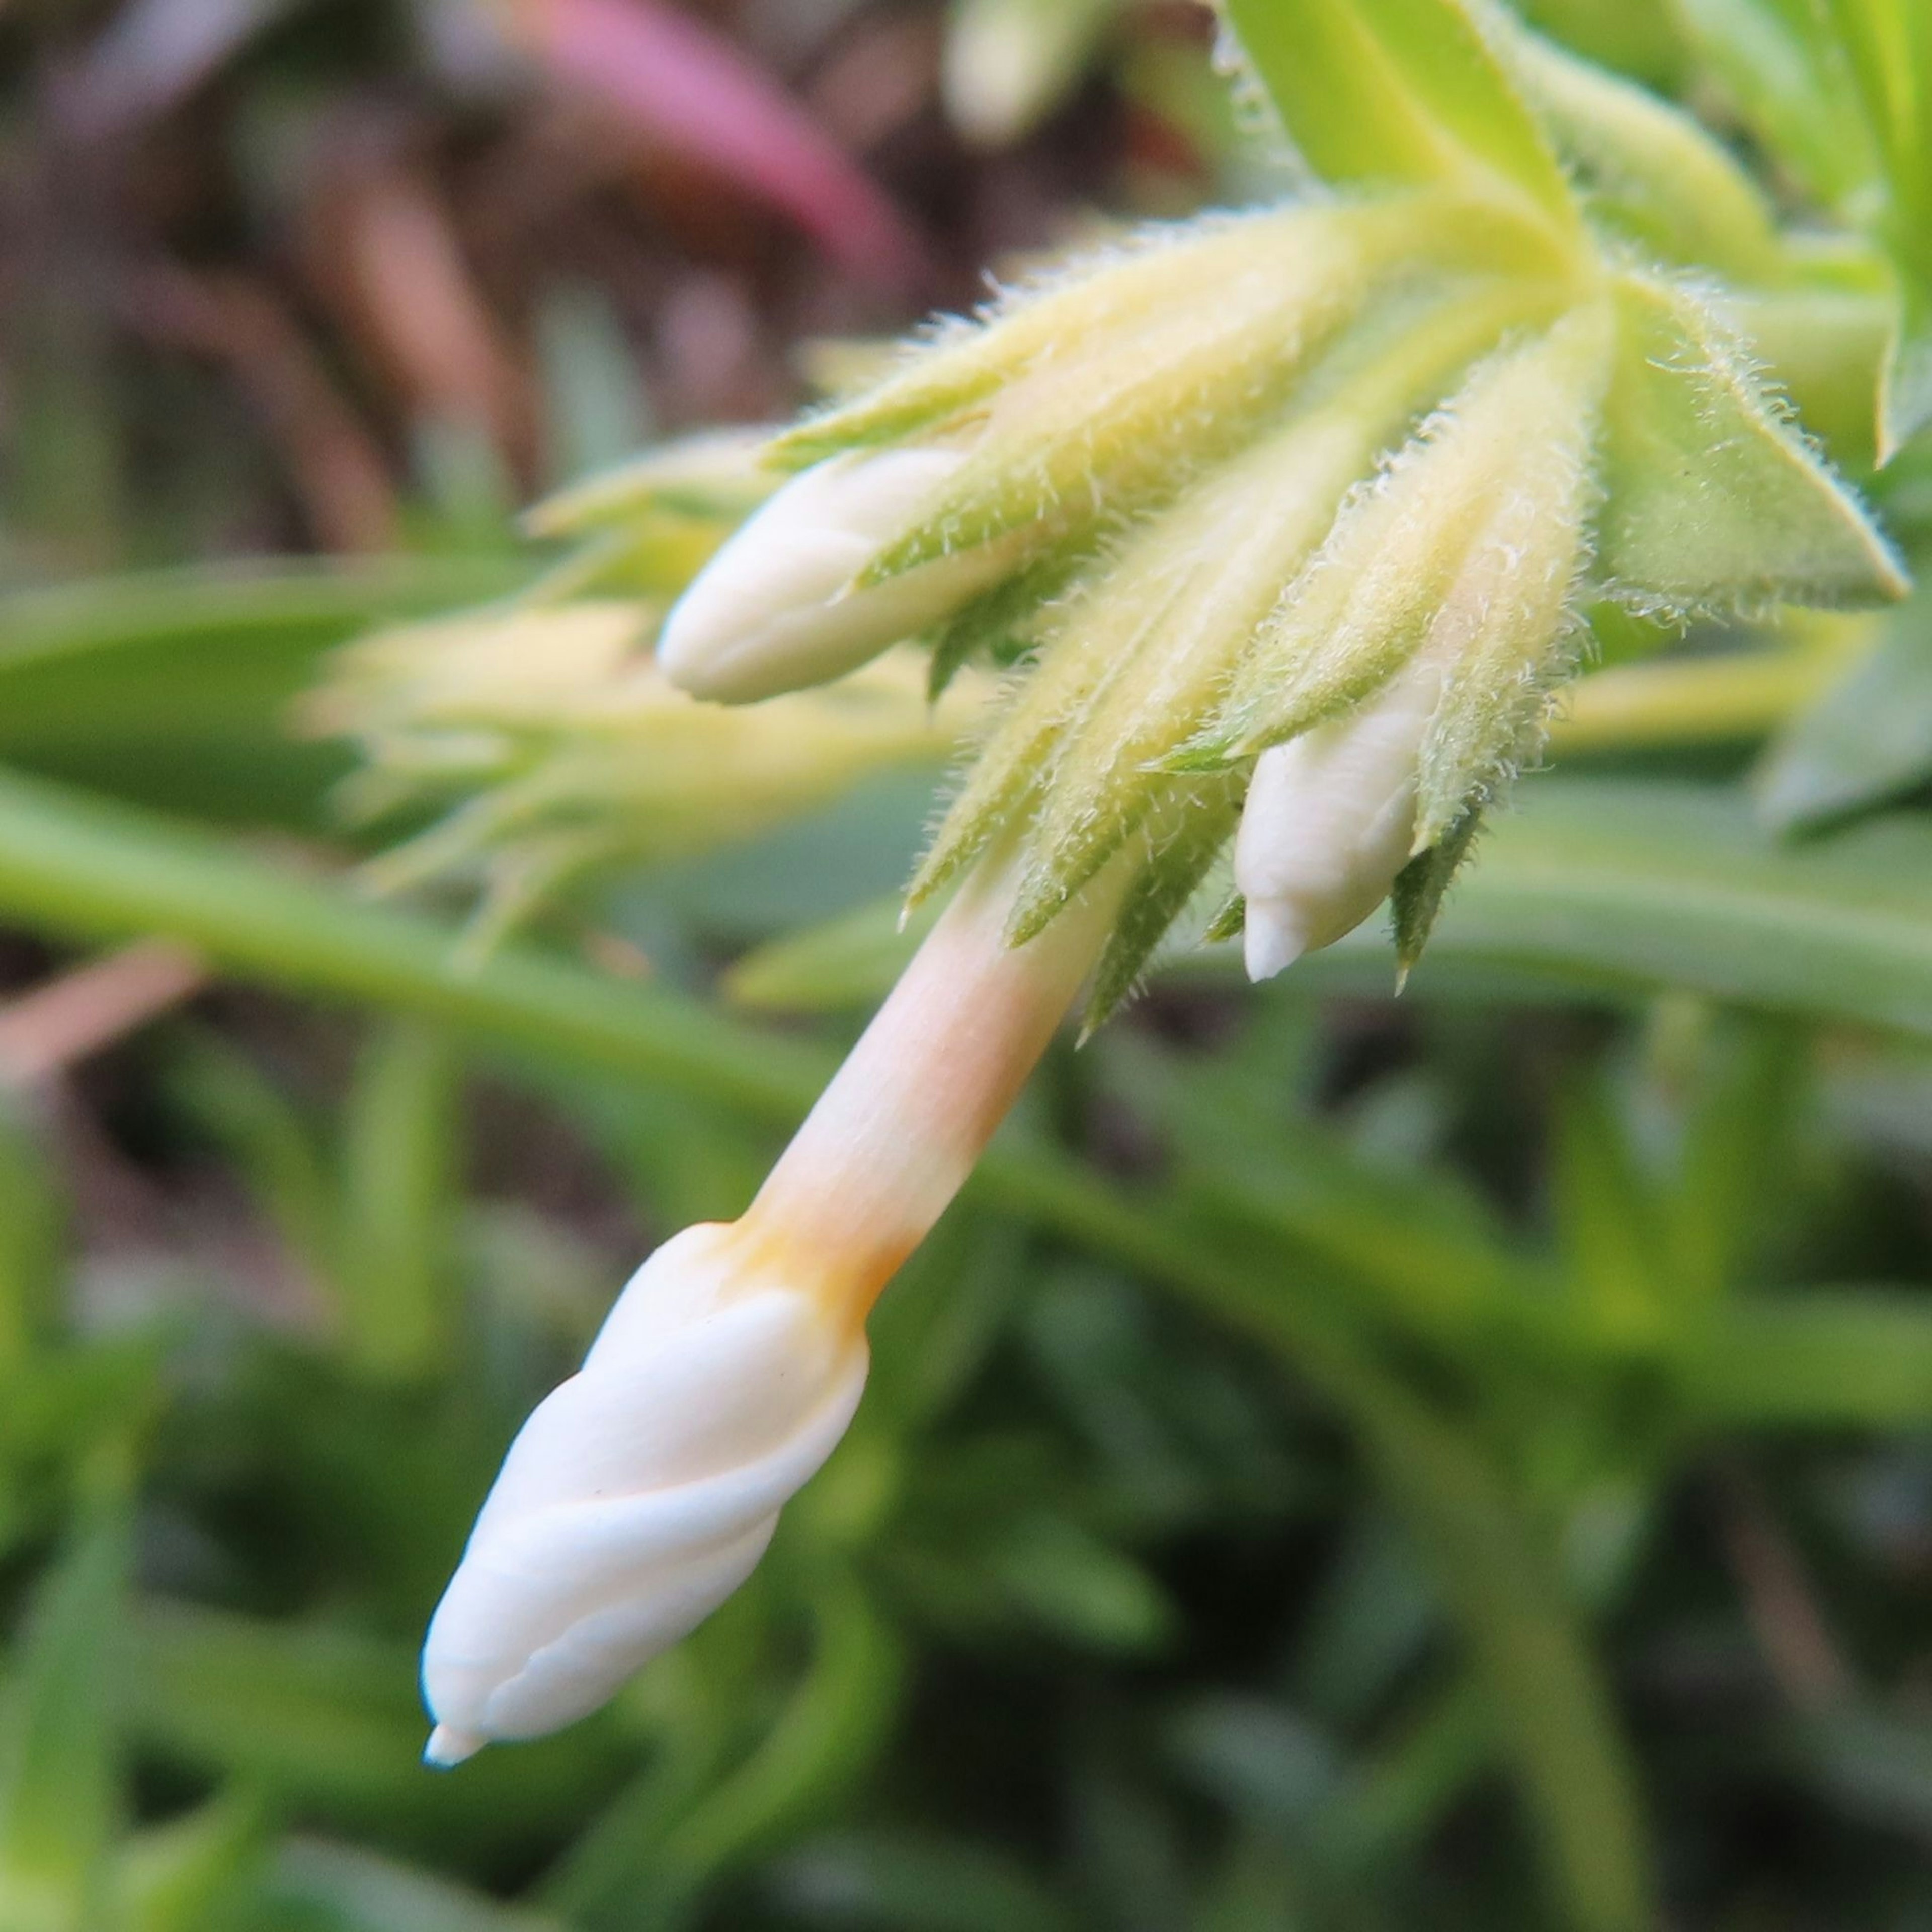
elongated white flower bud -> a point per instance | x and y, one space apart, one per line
1329 822
641 1492
775 609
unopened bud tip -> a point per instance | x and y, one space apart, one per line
448 1747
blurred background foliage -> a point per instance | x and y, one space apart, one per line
1346 1463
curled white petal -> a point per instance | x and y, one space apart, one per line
640 1492
1329 822
775 611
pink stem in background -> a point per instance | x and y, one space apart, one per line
677 83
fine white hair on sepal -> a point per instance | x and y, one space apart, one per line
640 1493
775 610
1330 821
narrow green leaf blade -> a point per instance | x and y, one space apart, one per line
1661 884
1850 1358
400 1158
1395 91
1868 740
60 1797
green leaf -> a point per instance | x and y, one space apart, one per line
73 864
340 1888
1394 1801
331 1722
60 1797
1396 91
1850 1358
1711 499
170 688
1372 1617
1660 884
1074 1584
1418 1247
191 1874
1188 836
1421 888
833 1725
1737 1175
838 963
33 1237
401 1154
1647 170
1867 740
1826 349
1874 1764
263 1133
1553 1710
1788 76
894 1881
1500 1579
1607 1218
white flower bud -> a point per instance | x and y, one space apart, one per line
641 1492
1329 822
775 610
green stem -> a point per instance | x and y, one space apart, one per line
73 865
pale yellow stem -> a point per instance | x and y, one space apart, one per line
1699 700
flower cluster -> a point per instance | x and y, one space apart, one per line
549 744
1281 528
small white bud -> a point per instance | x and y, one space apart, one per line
1329 822
775 610
642 1491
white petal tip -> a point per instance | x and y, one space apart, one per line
1271 941
696 661
448 1748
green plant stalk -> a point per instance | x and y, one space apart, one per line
75 865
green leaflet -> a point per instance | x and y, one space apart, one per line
1712 499
1827 1359
1002 624
1397 91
